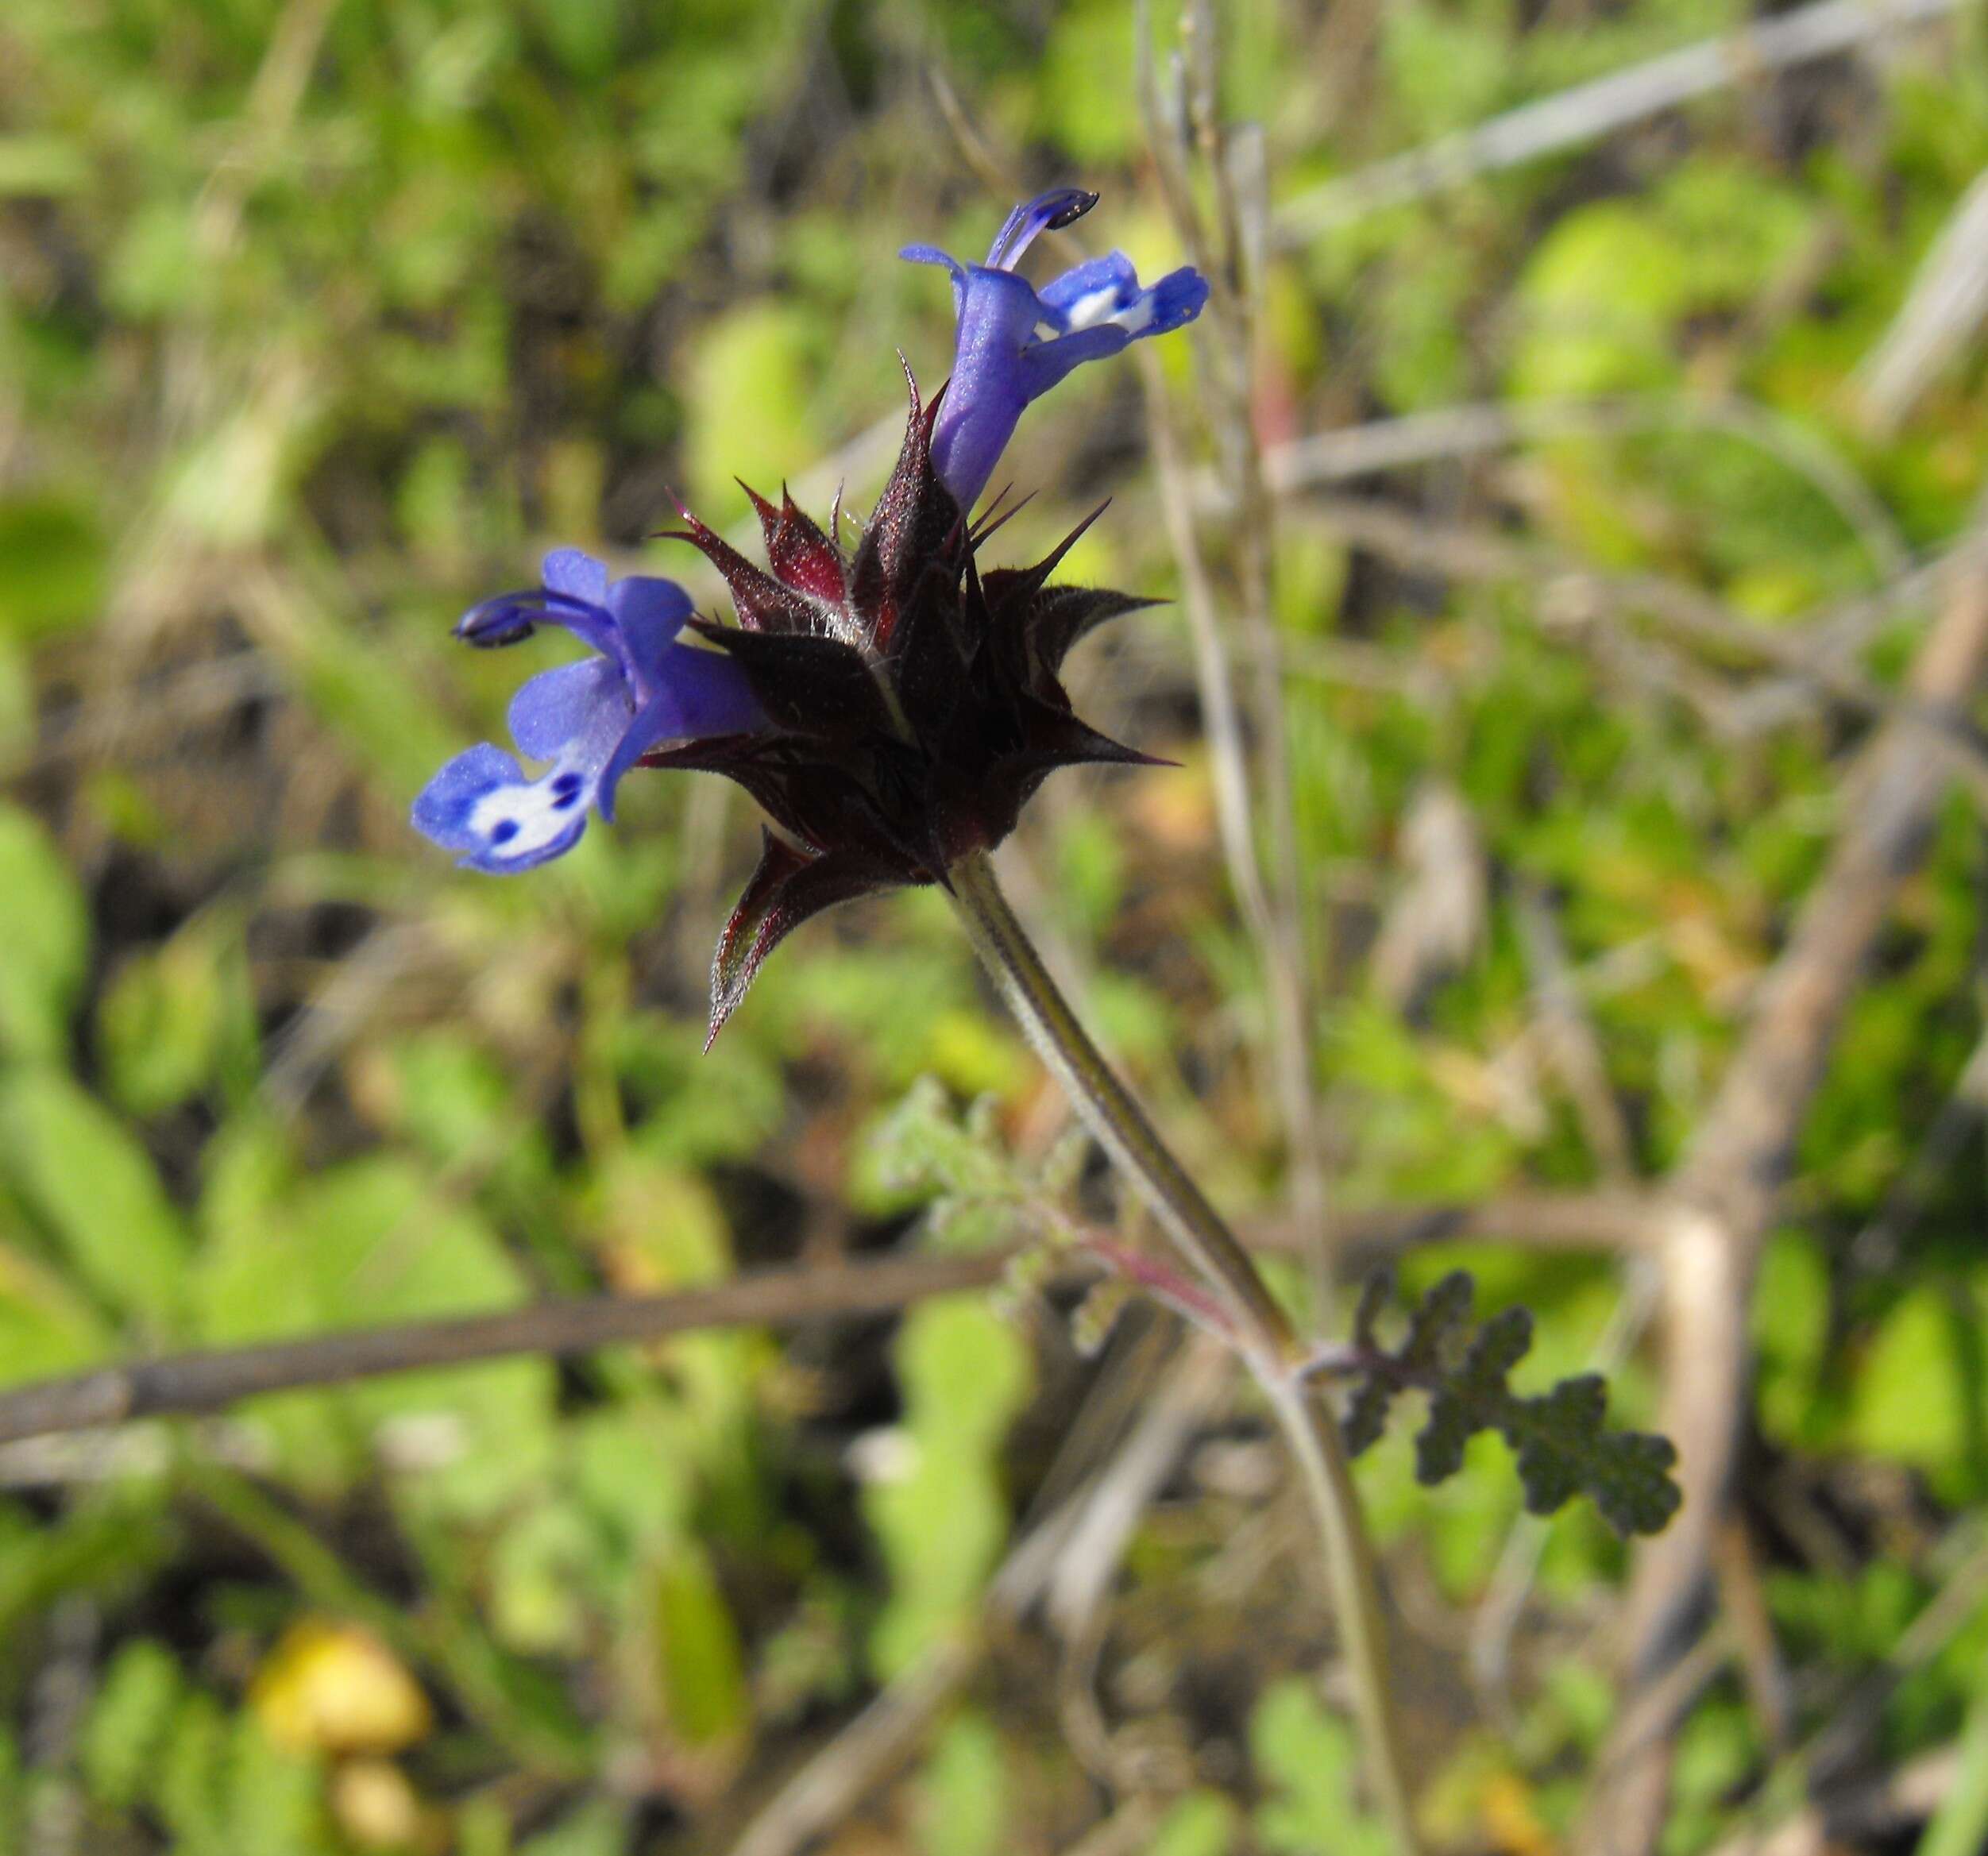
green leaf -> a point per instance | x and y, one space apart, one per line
965 1372
448 1096
483 1828
192 1793
583 34
1913 1399
388 719
159 1024
925 1149
1960 1826
1306 1759
44 926
1739 231
538 1573
1203 1824
125 1734
13 1834
963 1791
631 1475
1598 297
83 1174
1449 64
103 1546
1094 123
359 1244
699 1667
17 706
723 1104
1791 1334
54 554
41 167
46 1326
381 1246
940 1515
153 268
597 1827
1716 1749
275 1798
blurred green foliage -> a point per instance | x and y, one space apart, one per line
320 319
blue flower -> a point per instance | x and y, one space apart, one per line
593 719
1015 343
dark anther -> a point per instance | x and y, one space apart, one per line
1075 211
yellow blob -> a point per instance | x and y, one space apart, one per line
334 1687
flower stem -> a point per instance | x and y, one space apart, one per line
1262 1333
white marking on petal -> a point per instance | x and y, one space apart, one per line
1096 306
1136 315
537 814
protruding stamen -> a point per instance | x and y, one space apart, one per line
510 617
1053 211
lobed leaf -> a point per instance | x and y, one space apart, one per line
1561 1438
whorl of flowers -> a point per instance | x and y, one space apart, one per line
891 706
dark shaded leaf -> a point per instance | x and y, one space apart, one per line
914 525
763 604
787 888
1059 617
1561 1438
813 686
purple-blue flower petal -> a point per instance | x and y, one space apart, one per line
702 694
508 619
529 824
1177 298
1098 286
648 613
576 573
931 254
559 706
442 809
998 313
482 805
1044 363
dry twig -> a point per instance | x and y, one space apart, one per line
1585 113
1727 1190
1479 427
1945 305
186 1384
1681 609
1226 248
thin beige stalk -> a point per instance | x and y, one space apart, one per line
1227 246
1262 1332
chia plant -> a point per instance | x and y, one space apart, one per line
891 706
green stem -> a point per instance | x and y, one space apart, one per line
1114 1116
1263 1335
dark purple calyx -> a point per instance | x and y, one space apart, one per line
914 703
